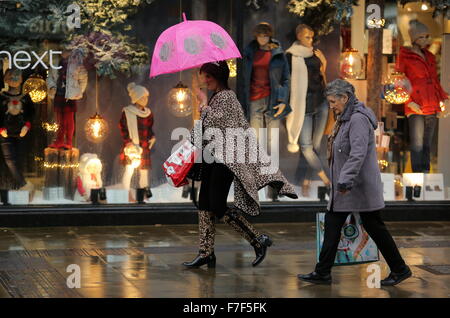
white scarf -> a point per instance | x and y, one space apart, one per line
299 88
132 112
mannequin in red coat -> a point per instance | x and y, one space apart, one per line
428 99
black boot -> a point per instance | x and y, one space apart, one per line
209 260
148 192
260 246
395 278
316 278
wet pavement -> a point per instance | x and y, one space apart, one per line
144 261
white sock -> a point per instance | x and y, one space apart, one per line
143 180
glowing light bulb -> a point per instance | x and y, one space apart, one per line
180 100
181 96
351 64
96 129
424 7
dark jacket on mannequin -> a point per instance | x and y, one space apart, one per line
279 79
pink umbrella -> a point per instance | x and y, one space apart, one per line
190 44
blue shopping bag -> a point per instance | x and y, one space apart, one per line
355 246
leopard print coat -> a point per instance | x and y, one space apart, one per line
222 113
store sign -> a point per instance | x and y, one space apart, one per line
22 59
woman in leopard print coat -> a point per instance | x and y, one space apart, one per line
223 123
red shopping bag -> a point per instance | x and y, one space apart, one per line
178 165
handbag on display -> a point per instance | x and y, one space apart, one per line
180 163
355 245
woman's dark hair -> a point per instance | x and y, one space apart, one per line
218 70
263 28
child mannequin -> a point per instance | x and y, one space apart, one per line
16 115
89 176
138 139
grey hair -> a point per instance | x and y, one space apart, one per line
339 87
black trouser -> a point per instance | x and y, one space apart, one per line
12 152
216 183
376 229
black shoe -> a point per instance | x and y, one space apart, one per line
315 278
394 278
209 260
148 192
261 248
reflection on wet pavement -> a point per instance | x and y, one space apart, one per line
144 261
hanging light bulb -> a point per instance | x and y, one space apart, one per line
352 64
36 87
397 88
233 67
424 7
96 129
180 100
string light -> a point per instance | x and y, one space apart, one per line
233 67
383 164
376 23
50 127
397 88
48 165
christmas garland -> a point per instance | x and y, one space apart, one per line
26 23
322 15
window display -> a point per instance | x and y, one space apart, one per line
80 117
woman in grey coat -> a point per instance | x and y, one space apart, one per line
355 184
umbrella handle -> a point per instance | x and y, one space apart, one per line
184 17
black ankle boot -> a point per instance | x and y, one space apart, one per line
263 242
209 260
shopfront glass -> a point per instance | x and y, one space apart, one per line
75 73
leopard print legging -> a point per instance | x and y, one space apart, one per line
207 232
207 229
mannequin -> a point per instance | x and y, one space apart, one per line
424 106
309 114
89 177
16 115
266 85
66 86
138 138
